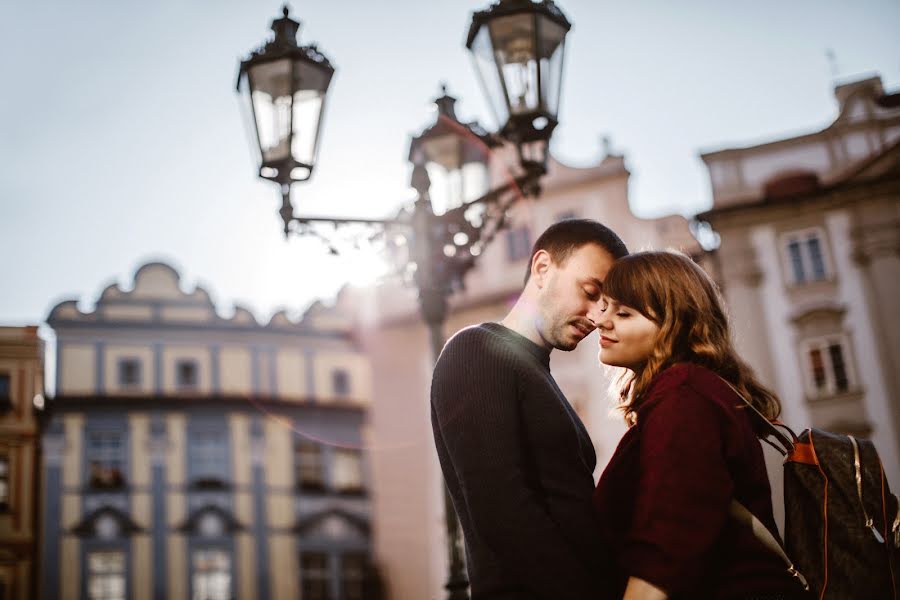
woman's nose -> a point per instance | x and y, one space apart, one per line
600 319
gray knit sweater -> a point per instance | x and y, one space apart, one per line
518 463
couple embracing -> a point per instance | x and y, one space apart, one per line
519 463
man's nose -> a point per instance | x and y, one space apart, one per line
595 314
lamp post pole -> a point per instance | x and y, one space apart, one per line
433 306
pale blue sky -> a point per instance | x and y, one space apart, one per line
121 139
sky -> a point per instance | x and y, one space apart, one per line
122 141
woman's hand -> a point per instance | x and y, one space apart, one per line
638 589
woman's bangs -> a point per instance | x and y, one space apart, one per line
627 283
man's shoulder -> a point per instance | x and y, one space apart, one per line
473 358
483 333
476 340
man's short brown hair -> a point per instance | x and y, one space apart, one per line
561 239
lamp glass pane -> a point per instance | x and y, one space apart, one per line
553 41
311 84
270 85
444 150
515 54
488 73
307 115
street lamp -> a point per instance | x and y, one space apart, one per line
518 48
285 85
456 152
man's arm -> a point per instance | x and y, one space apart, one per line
475 408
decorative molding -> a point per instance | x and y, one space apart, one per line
874 241
818 309
191 525
742 264
92 523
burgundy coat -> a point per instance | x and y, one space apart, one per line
663 498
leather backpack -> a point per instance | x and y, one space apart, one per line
842 523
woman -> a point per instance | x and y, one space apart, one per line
663 500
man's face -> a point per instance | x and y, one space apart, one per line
569 297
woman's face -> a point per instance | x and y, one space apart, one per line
626 336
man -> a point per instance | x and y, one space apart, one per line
517 460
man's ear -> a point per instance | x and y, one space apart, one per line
540 267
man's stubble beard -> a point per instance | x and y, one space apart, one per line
553 326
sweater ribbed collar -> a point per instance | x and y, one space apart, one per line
520 341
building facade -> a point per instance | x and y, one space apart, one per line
21 398
412 541
192 456
810 265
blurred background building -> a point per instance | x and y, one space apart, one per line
194 456
21 397
810 265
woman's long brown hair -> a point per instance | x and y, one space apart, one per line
675 293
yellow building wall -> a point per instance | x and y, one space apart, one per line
176 509
188 314
279 450
116 352
177 567
70 507
172 354
128 312
246 567
355 364
176 426
234 370
70 568
77 369
283 569
239 426
265 387
280 510
141 509
141 567
139 424
71 470
290 368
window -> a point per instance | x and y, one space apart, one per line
211 576
353 573
129 372
805 256
314 579
186 374
208 456
340 382
4 483
827 367
518 243
5 393
106 575
347 475
106 459
308 459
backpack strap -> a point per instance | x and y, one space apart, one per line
740 512
769 428
765 537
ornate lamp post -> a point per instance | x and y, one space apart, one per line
285 85
518 49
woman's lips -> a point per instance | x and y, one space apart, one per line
606 342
